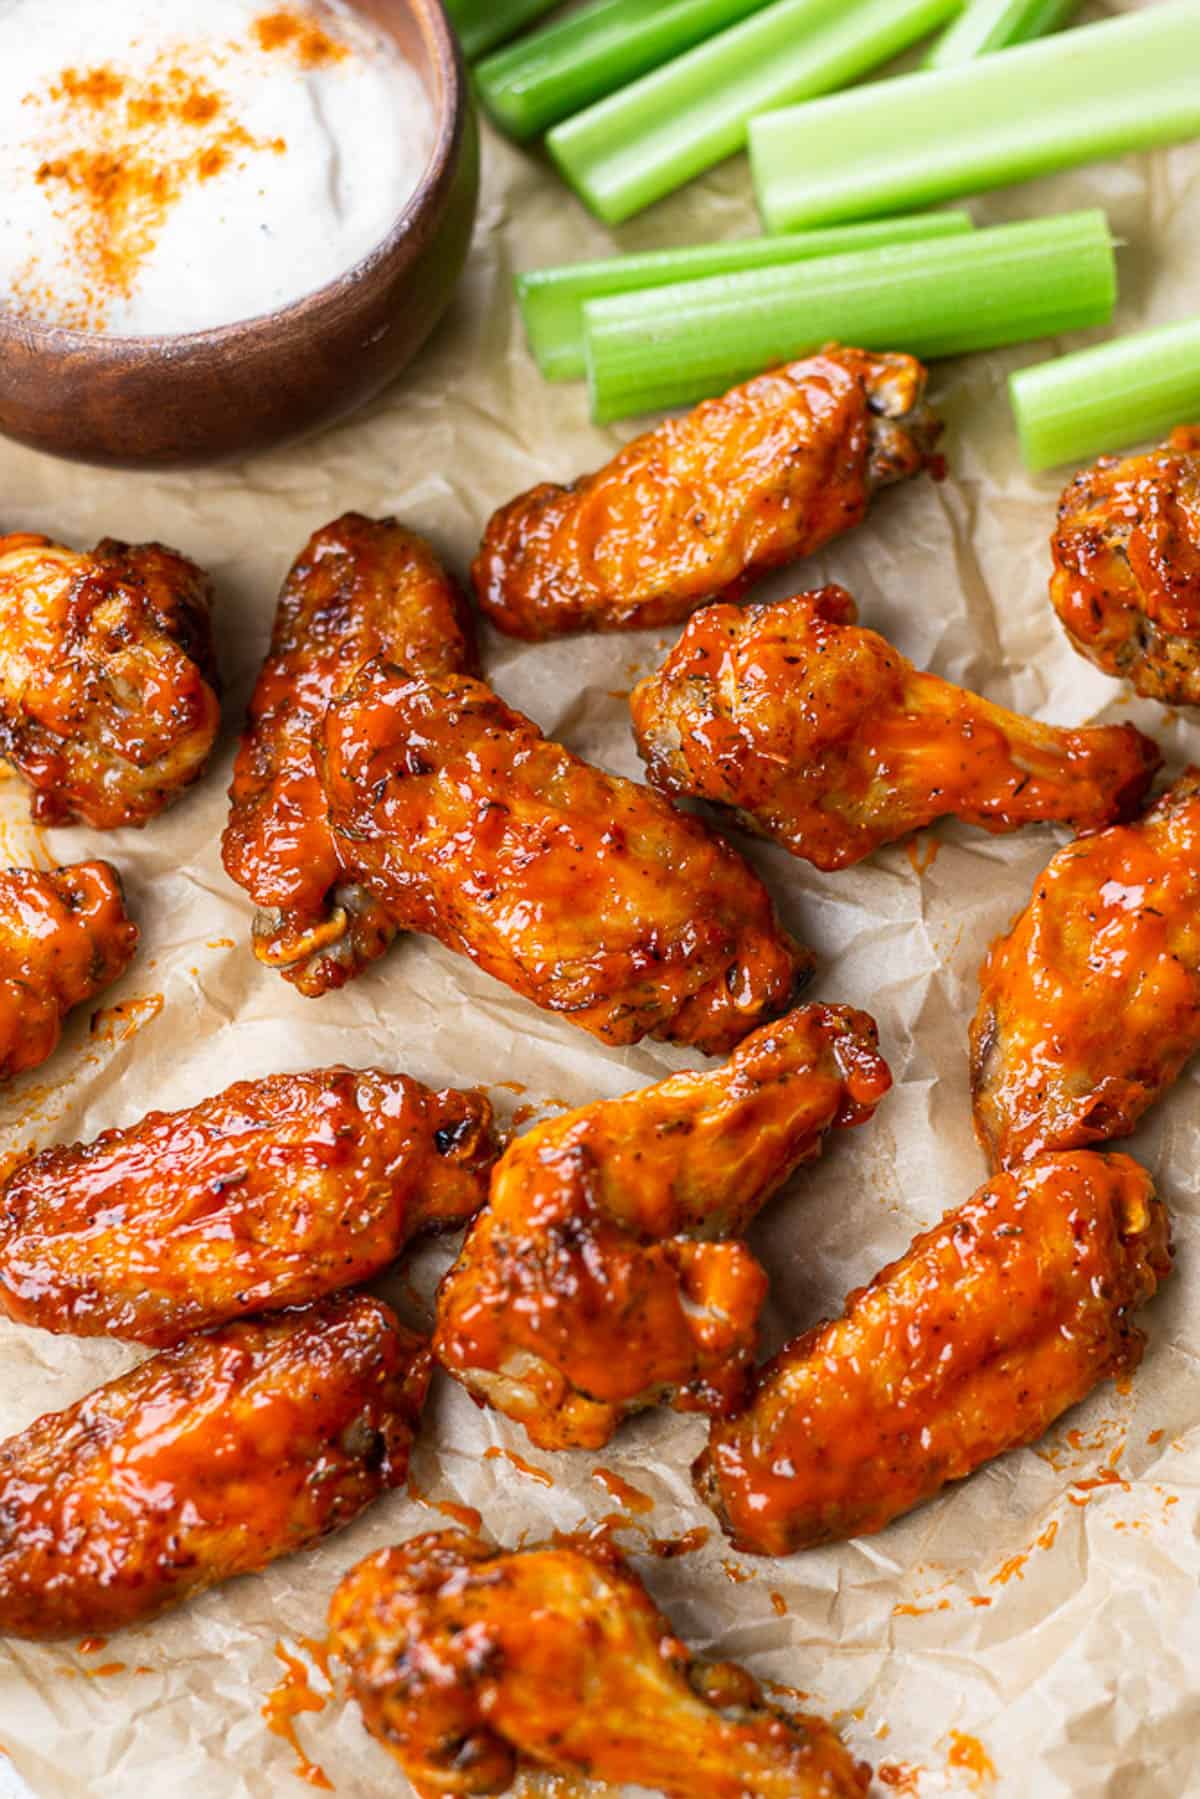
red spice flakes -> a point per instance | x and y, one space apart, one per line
285 28
121 149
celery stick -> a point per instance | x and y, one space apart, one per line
482 24
651 137
1129 391
676 345
539 80
552 300
988 25
898 145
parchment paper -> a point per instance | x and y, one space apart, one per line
1055 1627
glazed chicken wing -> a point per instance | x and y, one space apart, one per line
701 507
601 1277
822 736
589 895
64 936
1126 580
1090 1005
273 1194
995 1322
359 588
108 686
471 1666
209 1460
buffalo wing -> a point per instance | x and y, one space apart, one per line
272 1194
359 588
209 1460
996 1321
1126 580
605 1275
701 507
64 936
589 894
1090 1005
819 734
471 1666
108 687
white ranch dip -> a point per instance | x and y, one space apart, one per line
168 167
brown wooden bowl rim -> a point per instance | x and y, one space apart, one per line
43 337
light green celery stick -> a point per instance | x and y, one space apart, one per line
987 25
552 300
1129 391
898 145
482 24
541 79
651 137
675 345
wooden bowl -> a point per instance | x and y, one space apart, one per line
201 396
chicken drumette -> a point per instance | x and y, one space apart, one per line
601 1278
64 936
589 894
108 686
996 1321
701 507
360 587
471 1665
209 1460
273 1194
822 736
1090 1005
1126 580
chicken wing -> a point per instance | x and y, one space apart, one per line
588 894
1126 580
64 936
273 1194
995 1322
108 686
360 587
701 507
600 1279
1090 1006
209 1460
822 736
471 1666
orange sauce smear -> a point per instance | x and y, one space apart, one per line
293 1696
899 1777
967 1755
520 1464
631 1497
922 852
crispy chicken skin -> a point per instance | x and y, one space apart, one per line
471 1666
698 509
588 894
819 734
209 1460
995 1322
601 1277
1090 1005
272 1194
109 700
1126 580
360 587
64 937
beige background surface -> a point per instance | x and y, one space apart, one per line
1057 1625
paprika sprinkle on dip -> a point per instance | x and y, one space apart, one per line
173 176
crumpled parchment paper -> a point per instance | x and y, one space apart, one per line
1034 1632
